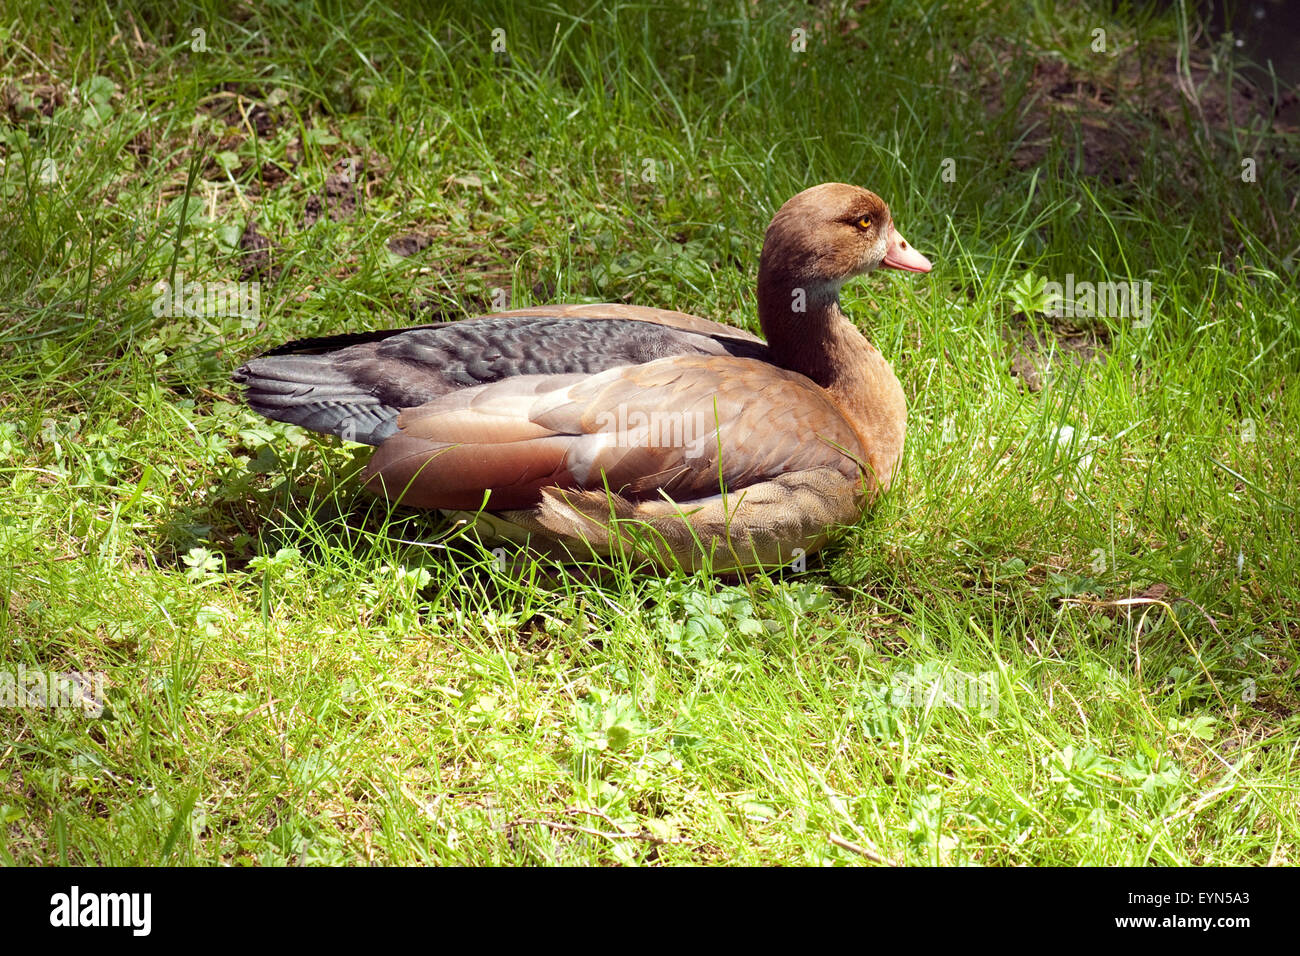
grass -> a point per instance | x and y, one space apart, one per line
298 674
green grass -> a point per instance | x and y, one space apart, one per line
297 674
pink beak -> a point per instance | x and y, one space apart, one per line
899 255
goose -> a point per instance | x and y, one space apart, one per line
620 428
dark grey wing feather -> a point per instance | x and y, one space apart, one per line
355 385
306 391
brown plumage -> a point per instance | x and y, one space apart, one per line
608 427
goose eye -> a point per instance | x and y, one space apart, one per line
864 222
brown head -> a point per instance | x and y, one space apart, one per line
817 241
829 234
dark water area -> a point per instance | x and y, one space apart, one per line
1266 31
1265 42
1267 34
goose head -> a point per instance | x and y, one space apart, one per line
817 241
829 234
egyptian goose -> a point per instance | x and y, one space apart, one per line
603 427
